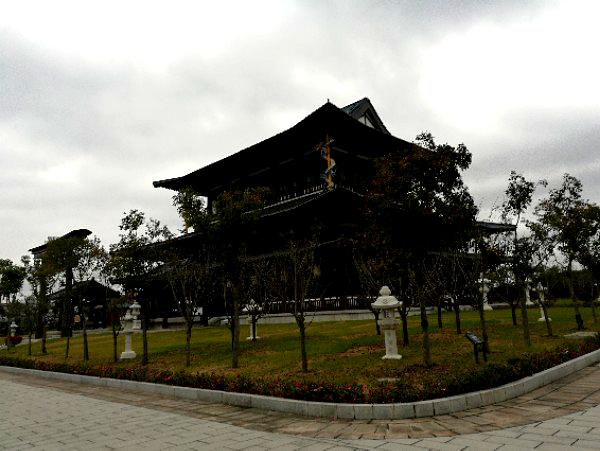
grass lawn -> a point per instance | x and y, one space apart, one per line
343 352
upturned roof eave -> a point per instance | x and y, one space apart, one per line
77 233
278 141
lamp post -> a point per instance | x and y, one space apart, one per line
131 324
387 304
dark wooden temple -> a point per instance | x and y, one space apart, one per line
291 163
94 297
317 172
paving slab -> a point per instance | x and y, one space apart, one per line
41 413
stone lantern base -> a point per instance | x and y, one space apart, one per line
128 355
391 357
391 347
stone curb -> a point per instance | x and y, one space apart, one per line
396 411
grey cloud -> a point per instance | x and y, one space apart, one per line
134 126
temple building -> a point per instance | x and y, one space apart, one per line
317 172
329 149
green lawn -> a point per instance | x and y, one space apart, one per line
339 351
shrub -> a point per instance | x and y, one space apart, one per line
411 385
15 340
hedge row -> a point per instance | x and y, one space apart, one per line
434 382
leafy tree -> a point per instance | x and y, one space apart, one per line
28 321
418 205
60 257
519 195
530 255
562 217
135 258
91 262
228 230
12 277
41 280
589 251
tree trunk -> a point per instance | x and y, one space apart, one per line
377 325
548 323
304 357
42 309
235 327
524 317
457 315
86 349
29 344
404 318
39 325
484 333
254 320
188 339
595 318
513 312
439 316
144 314
114 335
425 328
67 347
44 336
67 304
574 300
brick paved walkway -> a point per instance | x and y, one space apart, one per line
35 412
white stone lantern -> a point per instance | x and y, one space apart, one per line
252 309
484 289
541 291
528 301
387 304
135 312
131 323
13 329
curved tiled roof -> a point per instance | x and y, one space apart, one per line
328 120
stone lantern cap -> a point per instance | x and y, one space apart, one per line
386 300
252 307
540 288
135 309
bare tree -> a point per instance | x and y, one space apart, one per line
293 283
116 309
191 283
256 305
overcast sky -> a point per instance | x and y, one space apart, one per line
98 99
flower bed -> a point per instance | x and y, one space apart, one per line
414 384
15 340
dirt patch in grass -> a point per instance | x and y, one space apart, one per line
360 350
